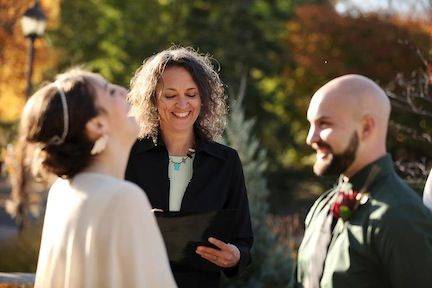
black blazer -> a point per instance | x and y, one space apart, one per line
217 183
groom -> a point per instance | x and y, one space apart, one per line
371 230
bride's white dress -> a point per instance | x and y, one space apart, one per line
99 232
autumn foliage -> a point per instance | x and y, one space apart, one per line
13 56
327 44
321 44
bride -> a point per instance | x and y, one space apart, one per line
99 230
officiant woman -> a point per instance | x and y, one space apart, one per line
178 100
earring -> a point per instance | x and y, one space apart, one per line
99 145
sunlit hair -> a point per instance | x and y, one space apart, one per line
43 120
143 95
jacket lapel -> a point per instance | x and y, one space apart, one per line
207 163
152 163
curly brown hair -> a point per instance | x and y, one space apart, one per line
42 120
143 94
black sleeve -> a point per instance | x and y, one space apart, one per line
243 238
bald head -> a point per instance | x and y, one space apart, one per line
355 95
354 106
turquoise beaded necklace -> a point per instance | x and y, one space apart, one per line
177 165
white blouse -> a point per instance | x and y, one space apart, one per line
180 174
99 232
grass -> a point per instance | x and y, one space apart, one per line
20 253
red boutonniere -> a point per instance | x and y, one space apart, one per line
348 201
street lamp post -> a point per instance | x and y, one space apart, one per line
33 25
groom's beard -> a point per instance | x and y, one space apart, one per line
337 163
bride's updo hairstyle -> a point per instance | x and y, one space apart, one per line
53 124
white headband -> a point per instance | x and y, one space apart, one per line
56 140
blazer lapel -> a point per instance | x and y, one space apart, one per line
205 165
152 170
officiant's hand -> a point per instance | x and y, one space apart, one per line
228 255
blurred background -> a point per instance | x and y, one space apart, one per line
271 54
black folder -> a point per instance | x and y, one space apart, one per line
183 232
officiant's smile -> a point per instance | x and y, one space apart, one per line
178 101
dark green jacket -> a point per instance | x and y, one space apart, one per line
386 243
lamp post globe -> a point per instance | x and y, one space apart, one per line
33 24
